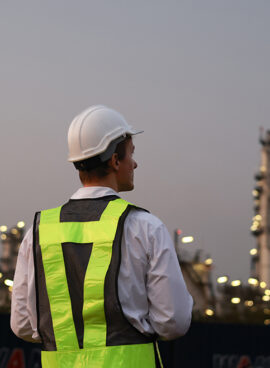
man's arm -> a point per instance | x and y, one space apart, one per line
23 305
151 287
170 304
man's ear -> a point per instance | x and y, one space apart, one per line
114 162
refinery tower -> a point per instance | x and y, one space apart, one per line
260 228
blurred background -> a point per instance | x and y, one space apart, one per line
194 75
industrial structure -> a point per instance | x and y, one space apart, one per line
251 303
231 300
196 269
10 242
224 300
260 263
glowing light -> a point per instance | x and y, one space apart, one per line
267 322
266 298
263 285
187 239
254 228
267 292
10 288
235 300
8 282
253 251
3 228
263 169
255 193
14 231
209 312
178 232
249 303
1 275
222 279
20 224
257 217
208 261
253 281
236 283
3 236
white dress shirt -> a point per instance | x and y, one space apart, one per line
151 288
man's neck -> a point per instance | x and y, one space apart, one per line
107 181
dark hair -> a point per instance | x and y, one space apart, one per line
102 169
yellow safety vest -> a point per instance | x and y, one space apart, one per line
95 353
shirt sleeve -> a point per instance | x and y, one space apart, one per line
170 304
151 287
23 304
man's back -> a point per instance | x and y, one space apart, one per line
151 289
134 284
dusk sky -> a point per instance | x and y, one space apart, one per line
195 75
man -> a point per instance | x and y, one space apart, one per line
97 279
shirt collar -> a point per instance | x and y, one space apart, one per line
93 192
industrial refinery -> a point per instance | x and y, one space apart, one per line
232 301
222 300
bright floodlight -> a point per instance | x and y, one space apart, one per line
235 300
253 281
3 228
222 279
236 283
254 227
266 298
187 239
257 218
267 292
253 252
8 282
209 312
249 303
263 285
20 224
208 261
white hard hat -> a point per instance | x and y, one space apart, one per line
92 131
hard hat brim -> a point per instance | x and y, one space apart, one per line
135 131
